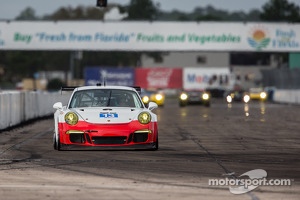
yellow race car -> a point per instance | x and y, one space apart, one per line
153 96
257 94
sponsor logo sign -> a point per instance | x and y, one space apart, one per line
111 76
159 77
259 38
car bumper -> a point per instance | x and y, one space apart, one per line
122 147
93 135
192 101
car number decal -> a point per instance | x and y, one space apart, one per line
108 115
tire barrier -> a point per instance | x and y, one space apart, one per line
17 107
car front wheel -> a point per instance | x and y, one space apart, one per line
56 143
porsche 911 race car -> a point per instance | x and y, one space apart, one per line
105 116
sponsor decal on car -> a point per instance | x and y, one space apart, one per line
108 115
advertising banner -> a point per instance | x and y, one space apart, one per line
207 78
159 78
111 76
149 36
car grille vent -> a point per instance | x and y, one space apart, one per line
77 138
140 137
109 140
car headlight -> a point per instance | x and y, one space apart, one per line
246 98
229 99
144 117
205 96
158 97
183 96
145 99
263 95
71 118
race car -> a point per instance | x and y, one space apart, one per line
105 116
257 94
194 97
237 96
152 95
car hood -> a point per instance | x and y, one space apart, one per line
108 115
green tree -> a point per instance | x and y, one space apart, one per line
55 84
208 18
280 11
142 10
27 14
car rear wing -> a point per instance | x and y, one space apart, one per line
137 88
68 88
71 88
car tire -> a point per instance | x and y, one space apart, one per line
156 145
56 143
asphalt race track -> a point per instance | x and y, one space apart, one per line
196 144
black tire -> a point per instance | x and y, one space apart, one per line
156 145
56 143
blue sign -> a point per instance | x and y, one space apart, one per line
111 76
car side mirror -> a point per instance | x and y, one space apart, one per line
58 105
152 105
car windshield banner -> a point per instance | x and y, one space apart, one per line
111 76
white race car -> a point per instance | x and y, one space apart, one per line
105 116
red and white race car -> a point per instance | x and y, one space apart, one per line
105 116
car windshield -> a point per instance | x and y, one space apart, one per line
255 90
194 93
105 98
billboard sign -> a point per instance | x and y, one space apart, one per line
149 36
159 77
207 78
111 76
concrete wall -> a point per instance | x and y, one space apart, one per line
287 96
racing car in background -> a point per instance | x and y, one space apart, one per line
105 116
237 96
194 97
257 94
153 96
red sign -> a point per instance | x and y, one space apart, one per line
158 77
